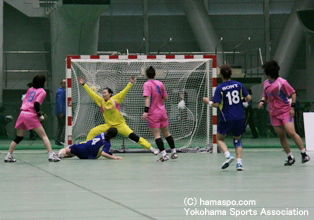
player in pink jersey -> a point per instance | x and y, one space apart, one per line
155 113
30 117
276 92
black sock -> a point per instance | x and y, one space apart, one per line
170 141
160 144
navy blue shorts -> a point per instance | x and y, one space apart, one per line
80 151
237 127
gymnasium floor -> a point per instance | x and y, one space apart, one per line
140 188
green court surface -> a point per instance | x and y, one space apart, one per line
270 142
138 187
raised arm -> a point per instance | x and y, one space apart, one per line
97 98
121 95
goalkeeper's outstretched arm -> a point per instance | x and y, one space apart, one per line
121 95
91 93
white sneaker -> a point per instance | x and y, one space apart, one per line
53 158
163 158
9 159
227 162
154 151
239 167
174 156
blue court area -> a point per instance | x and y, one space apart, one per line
138 187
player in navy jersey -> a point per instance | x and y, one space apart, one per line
229 98
92 149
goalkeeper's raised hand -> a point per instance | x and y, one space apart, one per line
132 79
81 81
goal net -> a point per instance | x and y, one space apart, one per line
185 79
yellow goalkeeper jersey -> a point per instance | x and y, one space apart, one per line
112 116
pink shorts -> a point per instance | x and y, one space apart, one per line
280 120
157 120
27 121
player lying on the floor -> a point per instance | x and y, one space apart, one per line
92 149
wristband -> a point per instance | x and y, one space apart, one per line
293 105
262 101
146 109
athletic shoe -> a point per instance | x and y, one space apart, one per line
163 158
9 159
239 167
154 151
305 157
174 156
227 162
53 158
290 161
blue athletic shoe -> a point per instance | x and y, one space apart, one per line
239 167
228 161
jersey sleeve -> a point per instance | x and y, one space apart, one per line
264 90
41 97
287 88
121 95
217 95
106 147
93 95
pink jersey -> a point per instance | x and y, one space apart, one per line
277 93
156 91
33 95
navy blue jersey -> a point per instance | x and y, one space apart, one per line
91 149
229 94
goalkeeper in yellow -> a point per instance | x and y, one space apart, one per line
110 109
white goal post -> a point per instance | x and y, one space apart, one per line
186 77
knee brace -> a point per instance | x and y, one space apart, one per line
134 137
18 139
237 143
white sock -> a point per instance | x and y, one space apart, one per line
9 154
239 160
227 154
290 154
303 150
50 154
152 149
163 153
173 151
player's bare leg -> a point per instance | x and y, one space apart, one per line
169 139
19 137
238 146
221 143
297 140
42 134
281 132
160 144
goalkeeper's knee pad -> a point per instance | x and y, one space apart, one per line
134 137
237 143
18 139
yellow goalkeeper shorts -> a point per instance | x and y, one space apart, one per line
123 129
